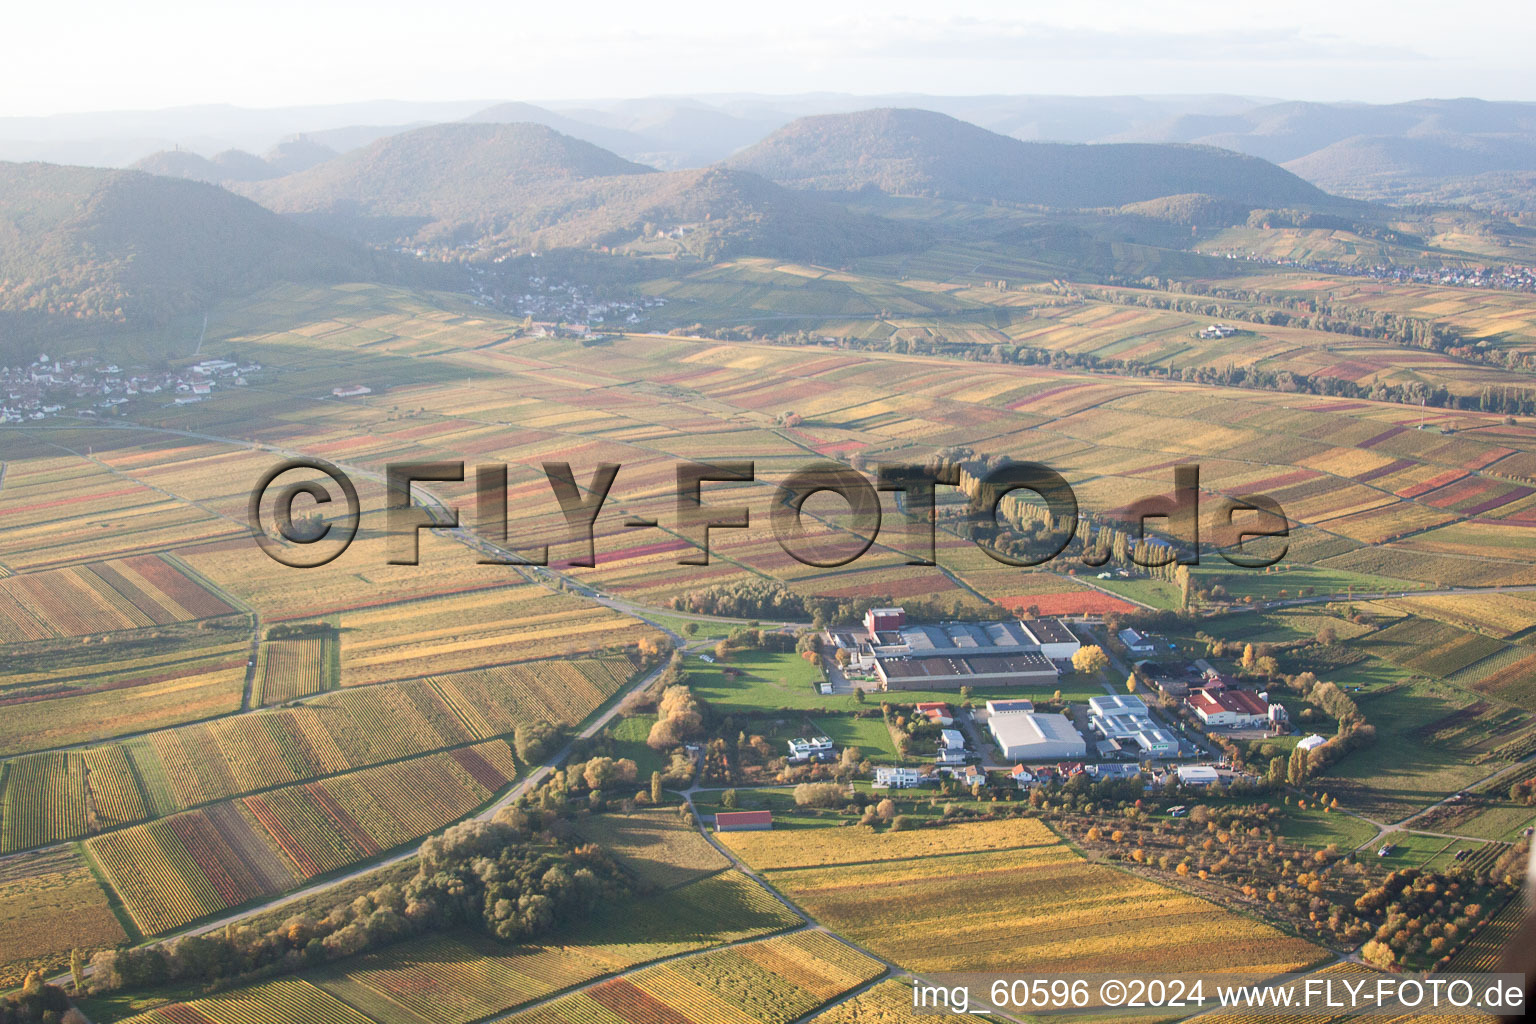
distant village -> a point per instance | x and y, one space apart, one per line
1509 277
85 386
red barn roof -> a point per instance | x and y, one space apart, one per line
725 821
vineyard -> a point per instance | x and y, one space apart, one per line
285 1001
775 850
453 980
1485 950
178 869
120 702
102 597
770 982
51 797
59 795
727 907
293 667
1042 902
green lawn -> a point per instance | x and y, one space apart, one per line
870 735
1266 586
1156 593
1410 850
1503 820
629 736
1316 828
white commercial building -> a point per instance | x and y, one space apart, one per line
1030 737
1127 720
1198 775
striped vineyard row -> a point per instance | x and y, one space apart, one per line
285 1001
103 597
293 667
770 982
45 800
178 869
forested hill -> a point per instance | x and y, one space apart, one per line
922 153
81 245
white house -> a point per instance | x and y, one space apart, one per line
1135 642
951 747
816 748
887 777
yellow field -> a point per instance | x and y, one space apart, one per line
795 848
1036 907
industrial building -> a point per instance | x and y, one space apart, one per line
904 656
1126 720
1055 640
1031 737
934 671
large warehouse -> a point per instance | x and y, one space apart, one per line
1029 737
947 656
935 671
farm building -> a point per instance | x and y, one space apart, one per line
1237 709
1311 742
888 777
743 821
1031 737
1127 720
1135 642
1054 639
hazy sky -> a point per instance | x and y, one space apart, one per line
77 55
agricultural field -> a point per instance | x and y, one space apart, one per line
296 666
997 900
285 1001
469 631
49 905
66 795
771 982
655 845
179 869
1431 740
53 696
103 597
